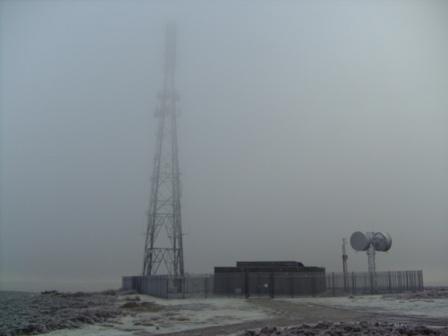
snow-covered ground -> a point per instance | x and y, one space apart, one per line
188 314
437 308
175 315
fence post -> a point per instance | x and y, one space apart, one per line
333 289
183 283
246 284
389 277
167 287
414 282
292 285
353 283
420 280
272 285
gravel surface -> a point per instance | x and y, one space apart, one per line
427 294
348 328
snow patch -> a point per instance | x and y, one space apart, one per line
176 315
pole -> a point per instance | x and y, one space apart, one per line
344 264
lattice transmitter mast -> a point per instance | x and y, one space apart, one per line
163 244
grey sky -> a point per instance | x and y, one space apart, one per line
301 121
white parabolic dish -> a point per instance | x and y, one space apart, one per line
381 241
359 241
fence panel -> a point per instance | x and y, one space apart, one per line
275 284
379 282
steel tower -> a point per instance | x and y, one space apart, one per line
163 244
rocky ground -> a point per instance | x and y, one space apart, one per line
27 314
348 328
113 312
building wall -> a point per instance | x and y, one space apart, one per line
269 283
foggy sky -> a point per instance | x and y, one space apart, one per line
301 122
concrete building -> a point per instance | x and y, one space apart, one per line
269 278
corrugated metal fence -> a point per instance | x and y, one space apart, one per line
291 285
